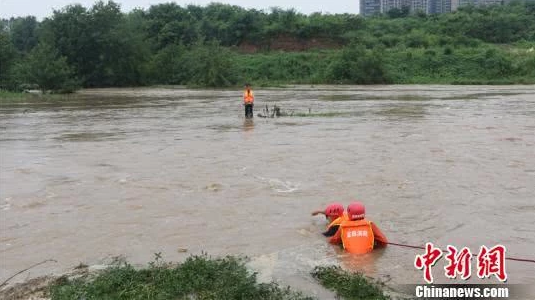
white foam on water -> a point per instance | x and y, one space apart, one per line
283 186
264 265
6 205
278 185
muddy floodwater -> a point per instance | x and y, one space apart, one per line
133 172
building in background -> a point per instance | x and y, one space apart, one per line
374 7
419 5
488 2
370 7
464 3
387 5
439 6
454 5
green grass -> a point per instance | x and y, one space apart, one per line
4 95
349 286
8 97
199 277
463 66
203 277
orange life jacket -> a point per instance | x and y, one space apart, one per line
357 236
337 237
248 97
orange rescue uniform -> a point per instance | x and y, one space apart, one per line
248 97
361 236
337 238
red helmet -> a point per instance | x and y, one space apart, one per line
356 211
334 210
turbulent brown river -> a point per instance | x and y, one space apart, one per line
133 172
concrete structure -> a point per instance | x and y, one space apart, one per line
373 7
488 2
419 6
454 5
434 7
439 6
370 7
387 5
480 2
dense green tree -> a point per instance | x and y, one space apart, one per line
122 48
46 68
399 12
356 65
168 66
106 47
169 24
23 33
69 32
209 64
4 25
7 61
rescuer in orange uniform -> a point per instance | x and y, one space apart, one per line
248 101
335 214
358 234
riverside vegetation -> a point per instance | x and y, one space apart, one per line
222 45
198 277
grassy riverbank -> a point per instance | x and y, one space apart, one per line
199 277
7 95
16 98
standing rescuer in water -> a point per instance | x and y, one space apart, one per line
358 234
248 101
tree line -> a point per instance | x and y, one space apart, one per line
101 46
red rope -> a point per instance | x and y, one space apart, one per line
521 259
420 247
406 246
